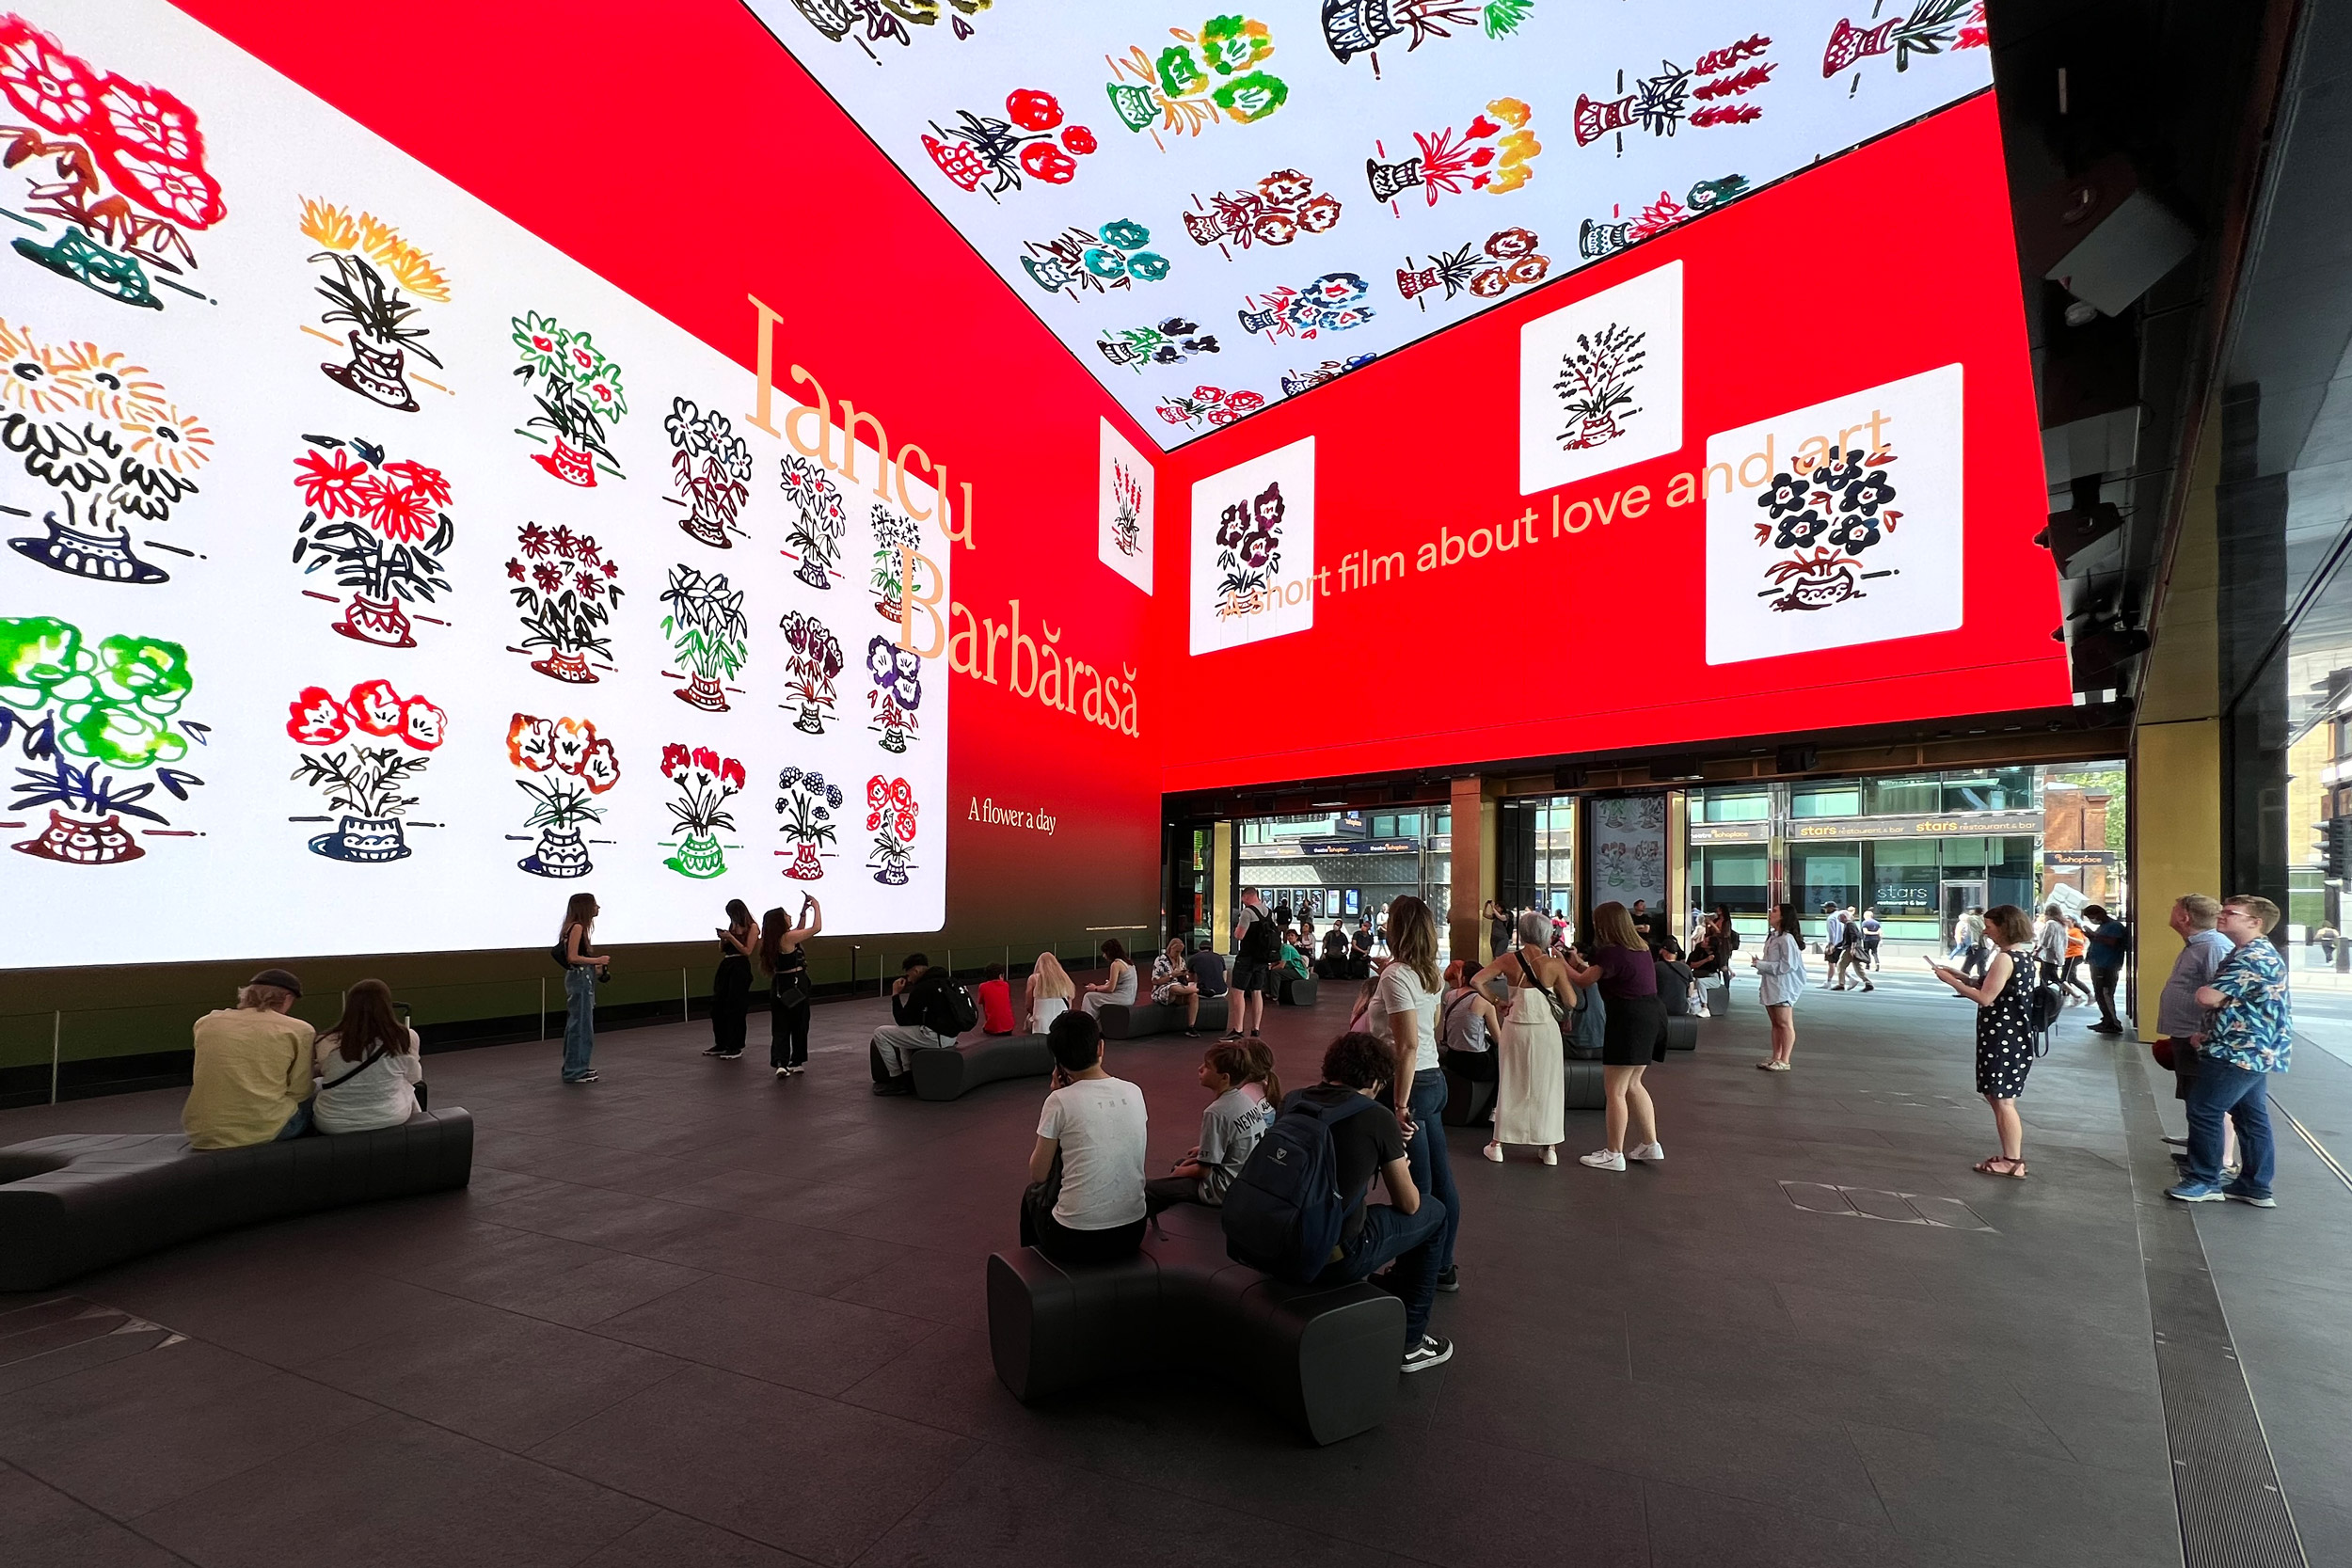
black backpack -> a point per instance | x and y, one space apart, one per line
1258 943
951 1009
1284 1212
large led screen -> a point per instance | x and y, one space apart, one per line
376 577
1221 206
1776 472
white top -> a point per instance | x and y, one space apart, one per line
1400 992
1781 970
1099 1124
2051 946
379 1095
1832 932
1044 1010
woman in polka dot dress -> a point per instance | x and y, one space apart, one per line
2005 1029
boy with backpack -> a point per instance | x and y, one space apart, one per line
930 1009
1298 1211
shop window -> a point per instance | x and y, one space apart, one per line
1384 826
1836 800
1999 789
1904 876
1445 822
1733 874
1825 874
1905 797
1714 806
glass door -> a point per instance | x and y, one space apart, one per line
1960 897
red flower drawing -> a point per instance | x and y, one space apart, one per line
316 718
375 708
428 482
330 483
421 724
187 195
54 89
674 758
152 122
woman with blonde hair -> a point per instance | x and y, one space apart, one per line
1628 978
369 1066
1046 994
1531 1092
1404 1017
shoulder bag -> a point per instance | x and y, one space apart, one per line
1559 1009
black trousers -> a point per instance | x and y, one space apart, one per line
787 1034
2103 987
730 1002
1039 1230
1165 1192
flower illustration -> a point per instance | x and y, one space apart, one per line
375 708
150 120
421 724
316 718
531 743
111 387
54 89
1867 495
1786 494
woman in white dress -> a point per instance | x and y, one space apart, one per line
1531 1096
1119 986
1048 990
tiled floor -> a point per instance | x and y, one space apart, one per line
693 1316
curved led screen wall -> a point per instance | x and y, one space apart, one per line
1219 207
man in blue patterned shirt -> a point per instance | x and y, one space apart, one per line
2248 1036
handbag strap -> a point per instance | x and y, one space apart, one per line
373 1057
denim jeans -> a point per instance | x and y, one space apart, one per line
2225 1089
2103 987
298 1124
1425 1156
580 1018
1411 1239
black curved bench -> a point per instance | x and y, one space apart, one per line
949 1072
1123 1021
1682 1032
82 1200
1298 990
1324 1356
1469 1101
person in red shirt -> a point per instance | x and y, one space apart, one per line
996 999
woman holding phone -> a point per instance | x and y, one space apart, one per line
731 987
781 956
1780 972
2005 1029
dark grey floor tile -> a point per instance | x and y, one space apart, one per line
396 1492
498 1377
136 1433
1691 1528
548 1277
673 1541
2017 1509
803 1342
944 1287
814 1477
42 1527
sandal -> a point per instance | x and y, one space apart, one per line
1991 1168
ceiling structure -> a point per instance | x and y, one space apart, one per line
1216 207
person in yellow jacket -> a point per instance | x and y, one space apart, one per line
252 1069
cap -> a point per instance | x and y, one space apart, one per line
282 980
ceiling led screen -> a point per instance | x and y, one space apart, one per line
1217 208
375 577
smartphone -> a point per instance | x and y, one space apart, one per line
1932 964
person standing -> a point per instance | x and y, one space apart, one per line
1847 961
1499 927
1531 1096
788 993
2004 1030
582 968
1780 976
252 1075
1974 950
1257 945
1873 929
2049 948
2180 1018
1635 1037
2106 940
731 986
2077 947
2251 1036
1404 1015
1833 936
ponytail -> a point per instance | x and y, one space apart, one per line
1262 1071
1244 1061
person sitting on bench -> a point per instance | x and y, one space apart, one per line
1248 1093
919 1001
1468 1026
1673 977
1085 1202
994 995
1172 983
252 1081
1332 965
1208 970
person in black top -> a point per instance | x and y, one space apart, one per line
1208 970
1405 1229
782 954
1673 977
731 986
919 1001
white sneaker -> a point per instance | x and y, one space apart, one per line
1552 1154
1648 1153
1494 1152
1603 1159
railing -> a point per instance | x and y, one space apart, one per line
147 1043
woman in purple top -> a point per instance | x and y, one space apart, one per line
1628 977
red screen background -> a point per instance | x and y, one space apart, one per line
1890 260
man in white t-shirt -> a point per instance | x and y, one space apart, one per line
1096 1122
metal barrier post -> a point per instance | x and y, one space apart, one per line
56 1039
543 1009
685 1001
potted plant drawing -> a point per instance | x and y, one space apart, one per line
712 466
1596 384
706 782
897 690
102 432
574 766
1249 550
372 271
380 526
890 812
366 783
896 539
579 394
707 627
1127 510
818 520
130 184
806 805
90 718
812 669
563 586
